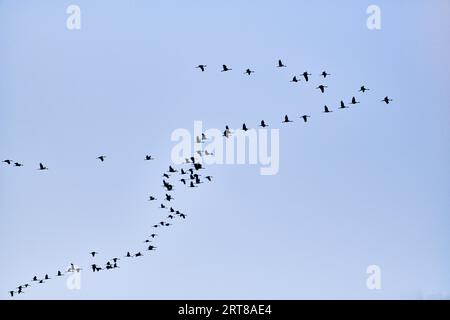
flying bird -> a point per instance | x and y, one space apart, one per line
325 74
354 101
343 106
201 67
147 157
386 100
322 88
7 161
42 167
363 89
305 117
17 164
101 158
306 75
225 68
249 72
280 64
93 253
244 127
294 79
326 110
286 119
263 124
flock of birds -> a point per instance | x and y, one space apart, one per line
190 174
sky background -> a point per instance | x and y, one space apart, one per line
362 186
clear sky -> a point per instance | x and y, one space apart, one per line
369 185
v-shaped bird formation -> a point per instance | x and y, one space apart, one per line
191 174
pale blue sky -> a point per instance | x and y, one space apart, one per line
368 185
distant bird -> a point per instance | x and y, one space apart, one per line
363 89
59 274
343 106
35 278
386 100
354 101
46 277
209 178
11 293
165 175
306 75
7 161
115 259
147 157
326 110
17 164
151 198
150 248
263 124
322 88
182 215
101 158
171 170
244 127
225 68
170 216
226 133
183 180
305 117
42 167
162 206
325 74
249 72
153 235
280 64
168 197
128 255
93 253
192 185
286 119
201 67
138 254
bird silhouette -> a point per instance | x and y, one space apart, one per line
201 67
354 101
147 157
7 161
305 117
59 274
225 68
209 178
295 79
17 164
263 124
286 119
93 253
306 75
342 106
280 64
249 72
42 167
151 198
326 110
363 89
244 127
386 100
322 88
101 158
325 74
169 197
151 248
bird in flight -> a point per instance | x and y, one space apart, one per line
7 161
93 253
363 89
151 198
343 106
101 158
147 157
325 74
42 167
305 117
386 100
280 64
249 72
263 124
322 88
294 79
201 67
244 127
306 75
354 101
286 119
17 164
225 68
326 110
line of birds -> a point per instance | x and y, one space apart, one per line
189 176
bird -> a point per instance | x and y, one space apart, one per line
306 75
249 72
209 178
101 158
225 68
286 119
172 170
183 181
165 175
182 215
150 248
305 117
326 110
12 293
201 67
170 216
17 164
138 254
128 255
192 185
204 136
280 64
147 157
46 277
244 127
42 167
35 278
354 101
386 100
363 89
153 235
295 79
325 74
162 206
263 124
59 274
151 198
343 106
93 253
322 88
7 161
169 197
